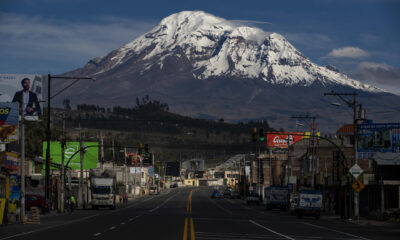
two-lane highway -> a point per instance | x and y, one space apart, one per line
190 213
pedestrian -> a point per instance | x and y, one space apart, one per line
69 205
72 203
125 198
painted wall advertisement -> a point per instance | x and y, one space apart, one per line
25 89
71 152
8 122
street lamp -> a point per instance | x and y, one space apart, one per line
48 132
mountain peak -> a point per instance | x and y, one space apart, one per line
216 47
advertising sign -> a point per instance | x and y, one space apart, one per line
8 122
15 190
2 208
283 139
380 137
12 161
25 89
71 151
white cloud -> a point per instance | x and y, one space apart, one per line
348 52
36 39
379 74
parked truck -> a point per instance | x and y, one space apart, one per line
310 203
103 188
276 197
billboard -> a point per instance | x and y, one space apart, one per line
283 139
26 89
379 137
90 156
8 122
172 169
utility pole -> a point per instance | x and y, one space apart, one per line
48 131
126 173
63 142
102 150
312 144
22 124
152 159
353 105
82 201
113 153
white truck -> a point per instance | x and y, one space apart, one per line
310 203
276 197
103 187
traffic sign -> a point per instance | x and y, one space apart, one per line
358 186
356 171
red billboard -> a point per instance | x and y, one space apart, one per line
283 139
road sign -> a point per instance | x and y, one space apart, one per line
358 185
356 171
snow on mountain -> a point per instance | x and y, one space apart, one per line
216 47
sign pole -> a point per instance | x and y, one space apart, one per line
22 164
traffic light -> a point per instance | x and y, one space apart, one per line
254 134
140 149
261 135
146 149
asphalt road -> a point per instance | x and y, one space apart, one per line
190 213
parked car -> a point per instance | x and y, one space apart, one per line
253 197
235 194
174 185
36 201
216 194
154 190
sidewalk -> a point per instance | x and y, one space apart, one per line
57 217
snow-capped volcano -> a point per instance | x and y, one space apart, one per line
216 47
208 67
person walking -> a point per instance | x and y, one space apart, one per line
72 203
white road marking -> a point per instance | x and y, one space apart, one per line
112 228
50 227
279 234
122 223
130 219
96 234
333 230
163 203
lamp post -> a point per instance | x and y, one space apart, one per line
352 104
48 131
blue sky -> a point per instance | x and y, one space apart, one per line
360 37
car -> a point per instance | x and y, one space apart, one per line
227 192
216 194
235 194
174 185
253 198
154 190
32 200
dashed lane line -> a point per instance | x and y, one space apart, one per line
279 234
49 227
163 203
